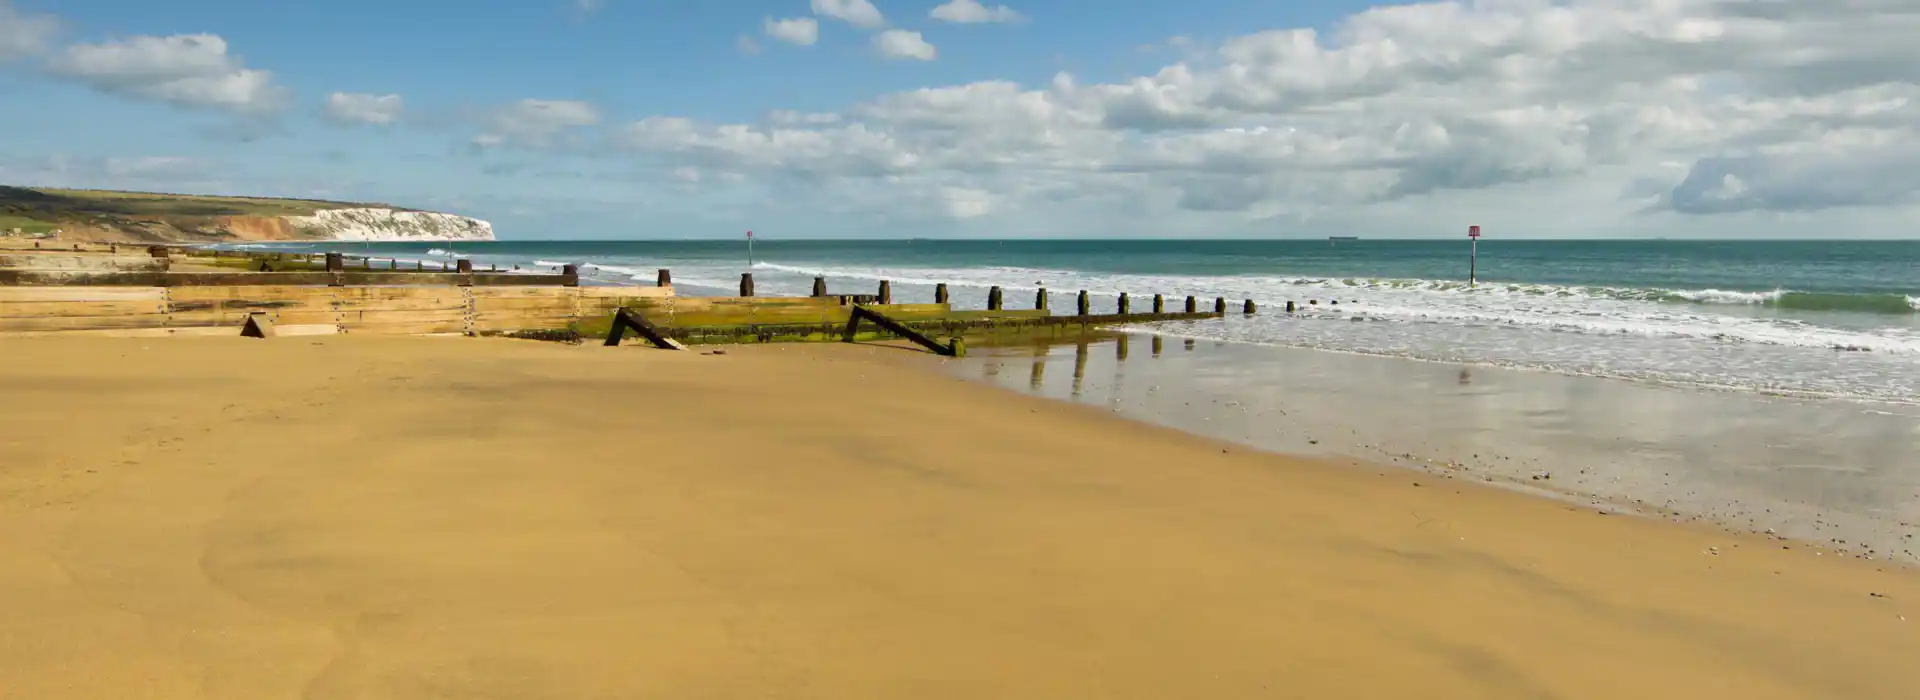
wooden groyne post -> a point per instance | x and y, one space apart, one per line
1248 309
1040 299
1083 306
1125 305
994 299
940 293
1159 304
885 295
746 284
819 286
1220 305
1193 305
663 278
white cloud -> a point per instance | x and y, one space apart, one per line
358 108
1398 116
799 31
903 44
859 13
131 172
589 6
1805 182
787 117
192 70
966 203
24 34
972 12
536 123
746 45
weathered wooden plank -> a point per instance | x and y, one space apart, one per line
973 315
209 317
234 279
73 278
401 304
560 304
304 317
75 323
912 312
245 305
610 303
728 311
514 323
37 309
261 292
516 292
13 294
405 328
623 291
376 317
380 293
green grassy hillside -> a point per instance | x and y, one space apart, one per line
141 215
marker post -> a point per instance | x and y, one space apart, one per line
1473 255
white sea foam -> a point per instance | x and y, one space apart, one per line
1717 296
1704 337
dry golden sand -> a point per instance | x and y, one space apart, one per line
458 518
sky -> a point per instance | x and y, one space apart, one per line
578 119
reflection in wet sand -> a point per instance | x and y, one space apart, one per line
1079 367
1038 378
1836 472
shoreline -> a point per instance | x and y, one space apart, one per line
1809 471
447 517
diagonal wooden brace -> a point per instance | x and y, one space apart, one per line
626 318
896 328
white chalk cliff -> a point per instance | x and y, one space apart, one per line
373 224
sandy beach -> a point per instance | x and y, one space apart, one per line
354 517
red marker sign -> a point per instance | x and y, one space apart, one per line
1473 232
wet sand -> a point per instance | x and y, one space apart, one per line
350 517
1840 473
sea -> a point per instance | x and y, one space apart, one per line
1819 319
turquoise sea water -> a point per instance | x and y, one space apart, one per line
1839 319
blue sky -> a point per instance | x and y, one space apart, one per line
676 118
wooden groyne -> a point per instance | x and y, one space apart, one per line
125 291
